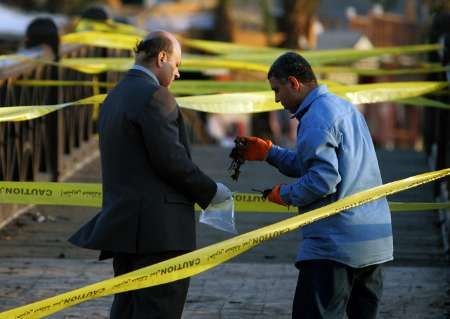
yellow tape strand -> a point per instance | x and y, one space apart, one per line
189 87
254 102
264 101
196 87
95 91
416 206
268 54
62 83
189 63
198 261
109 26
90 195
201 63
102 39
423 101
238 52
335 56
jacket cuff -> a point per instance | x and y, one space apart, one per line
271 155
204 201
284 194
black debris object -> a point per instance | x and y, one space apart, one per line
237 158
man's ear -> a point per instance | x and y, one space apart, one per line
162 57
294 82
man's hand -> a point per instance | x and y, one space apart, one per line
222 194
273 195
254 148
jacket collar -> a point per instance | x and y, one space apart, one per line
310 98
143 71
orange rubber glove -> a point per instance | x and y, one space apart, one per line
255 148
273 195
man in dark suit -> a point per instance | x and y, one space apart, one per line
150 183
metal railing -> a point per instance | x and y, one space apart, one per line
49 147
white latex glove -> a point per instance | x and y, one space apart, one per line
222 194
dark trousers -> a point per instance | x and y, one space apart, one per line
328 289
158 302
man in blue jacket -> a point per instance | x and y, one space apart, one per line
340 257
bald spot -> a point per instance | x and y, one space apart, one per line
164 34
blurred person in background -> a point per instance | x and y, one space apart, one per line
43 31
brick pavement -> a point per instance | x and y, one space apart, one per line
36 261
229 291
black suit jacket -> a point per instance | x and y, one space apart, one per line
150 184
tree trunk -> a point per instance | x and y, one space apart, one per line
223 27
299 18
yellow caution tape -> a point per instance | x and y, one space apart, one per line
102 39
189 63
383 92
238 52
377 72
61 83
49 193
204 63
348 55
416 206
200 260
267 54
201 63
264 101
128 41
322 57
93 65
254 102
185 87
98 65
95 91
423 101
24 113
90 195
125 41
227 48
108 26
95 36
247 58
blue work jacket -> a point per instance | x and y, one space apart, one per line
334 158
